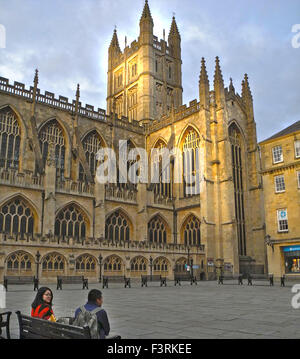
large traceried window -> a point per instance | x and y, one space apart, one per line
71 221
16 217
164 187
123 180
53 262
113 263
138 264
190 153
161 264
157 230
235 138
20 262
181 265
191 231
10 139
92 143
117 227
85 263
52 133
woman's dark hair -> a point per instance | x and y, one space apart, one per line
93 295
39 297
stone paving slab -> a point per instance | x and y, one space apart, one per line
207 310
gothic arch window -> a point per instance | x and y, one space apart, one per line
180 265
161 264
117 227
92 143
164 186
236 141
53 262
113 263
191 231
10 139
157 230
71 221
121 178
138 264
19 262
85 263
190 146
52 133
16 217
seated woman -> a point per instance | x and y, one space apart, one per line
42 305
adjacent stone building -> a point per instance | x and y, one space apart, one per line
280 156
56 218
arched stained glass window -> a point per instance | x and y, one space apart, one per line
10 139
157 231
235 138
71 221
117 227
192 232
92 143
190 156
51 132
16 217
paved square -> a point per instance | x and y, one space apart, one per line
203 311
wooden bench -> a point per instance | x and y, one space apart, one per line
72 280
116 279
154 278
178 278
35 328
5 324
238 277
260 277
21 280
291 279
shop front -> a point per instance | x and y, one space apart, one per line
292 259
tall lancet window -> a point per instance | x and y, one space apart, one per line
190 155
10 139
237 172
123 180
51 132
162 171
92 143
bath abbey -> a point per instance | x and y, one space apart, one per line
56 218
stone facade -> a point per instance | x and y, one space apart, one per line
55 217
280 157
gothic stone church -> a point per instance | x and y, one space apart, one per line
56 219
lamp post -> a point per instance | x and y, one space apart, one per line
37 256
188 260
192 272
100 265
151 264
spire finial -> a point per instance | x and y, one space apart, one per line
174 29
218 78
231 87
114 41
203 72
36 77
204 86
246 91
146 14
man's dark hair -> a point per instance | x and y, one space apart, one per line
93 295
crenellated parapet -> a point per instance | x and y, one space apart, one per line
48 99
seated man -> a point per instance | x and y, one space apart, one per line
93 305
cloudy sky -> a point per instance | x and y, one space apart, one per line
67 40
